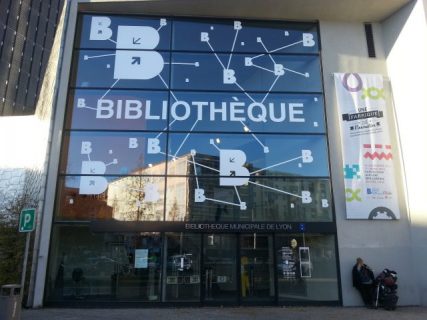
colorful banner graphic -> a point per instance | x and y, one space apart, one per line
369 173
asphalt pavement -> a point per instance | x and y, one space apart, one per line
238 313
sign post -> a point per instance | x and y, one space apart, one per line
26 224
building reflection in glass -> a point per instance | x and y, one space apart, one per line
141 196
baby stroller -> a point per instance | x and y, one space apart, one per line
386 290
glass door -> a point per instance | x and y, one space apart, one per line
136 264
256 267
182 261
219 268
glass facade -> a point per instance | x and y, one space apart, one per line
88 265
305 267
194 154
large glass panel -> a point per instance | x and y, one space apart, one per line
197 120
260 199
103 266
103 198
124 32
183 276
112 153
219 267
244 36
248 155
120 69
117 110
256 264
306 267
288 73
236 112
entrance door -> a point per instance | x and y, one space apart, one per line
257 267
219 268
182 261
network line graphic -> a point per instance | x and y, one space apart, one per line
90 184
136 58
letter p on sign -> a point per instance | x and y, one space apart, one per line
27 220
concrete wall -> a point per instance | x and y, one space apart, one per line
56 95
381 243
405 40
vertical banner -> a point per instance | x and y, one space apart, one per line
369 173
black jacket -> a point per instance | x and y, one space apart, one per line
357 275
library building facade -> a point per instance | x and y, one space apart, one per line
204 157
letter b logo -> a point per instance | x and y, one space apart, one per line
93 184
131 64
231 168
99 28
136 64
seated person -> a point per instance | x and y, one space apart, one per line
363 281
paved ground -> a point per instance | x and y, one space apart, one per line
275 313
